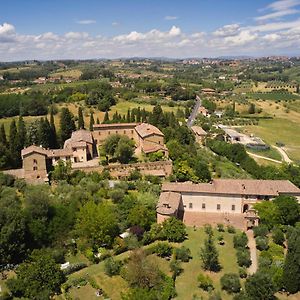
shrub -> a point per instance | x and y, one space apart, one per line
230 283
240 240
73 268
278 236
183 254
220 227
260 230
175 268
230 229
243 272
112 267
261 243
163 249
243 258
205 282
173 230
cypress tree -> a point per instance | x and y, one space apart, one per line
44 133
21 136
80 118
13 143
92 121
291 269
128 118
97 121
53 136
3 139
144 115
209 254
132 117
106 118
67 124
138 115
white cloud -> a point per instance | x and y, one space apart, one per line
115 23
76 35
7 33
283 4
227 30
174 31
86 22
279 9
170 18
231 39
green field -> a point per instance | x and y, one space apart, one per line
186 283
271 153
280 130
273 96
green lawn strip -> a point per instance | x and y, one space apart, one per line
280 130
186 283
271 153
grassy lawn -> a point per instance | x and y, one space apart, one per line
283 130
186 283
73 73
275 96
271 153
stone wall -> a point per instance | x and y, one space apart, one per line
120 170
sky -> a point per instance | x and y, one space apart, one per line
77 29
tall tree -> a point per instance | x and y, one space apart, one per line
291 269
80 118
53 136
92 122
67 124
3 139
106 118
44 133
97 121
21 136
209 254
13 144
128 117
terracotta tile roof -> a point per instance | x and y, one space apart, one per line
114 125
153 148
60 153
34 148
69 144
82 135
168 203
236 187
145 130
198 130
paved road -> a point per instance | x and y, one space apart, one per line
264 157
252 247
283 154
194 113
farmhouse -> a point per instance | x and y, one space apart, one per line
199 132
81 150
226 201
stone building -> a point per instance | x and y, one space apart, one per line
226 201
81 148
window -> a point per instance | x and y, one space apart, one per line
232 207
116 131
108 132
99 133
218 206
35 168
124 131
203 205
131 131
190 205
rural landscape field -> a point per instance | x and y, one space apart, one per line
150 150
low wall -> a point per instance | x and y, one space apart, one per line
158 168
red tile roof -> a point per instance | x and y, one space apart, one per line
145 130
236 187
